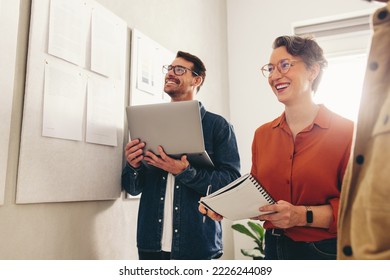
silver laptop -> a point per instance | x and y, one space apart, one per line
176 126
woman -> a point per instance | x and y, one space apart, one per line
300 157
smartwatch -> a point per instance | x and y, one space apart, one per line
309 215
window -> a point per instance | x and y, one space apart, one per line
345 41
341 85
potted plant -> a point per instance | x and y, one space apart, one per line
256 232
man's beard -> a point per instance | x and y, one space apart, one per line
173 93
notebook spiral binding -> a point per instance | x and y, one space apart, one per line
262 190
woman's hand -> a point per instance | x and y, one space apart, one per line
286 215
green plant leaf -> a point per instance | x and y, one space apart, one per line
257 228
241 228
254 253
258 238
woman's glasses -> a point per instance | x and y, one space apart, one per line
283 67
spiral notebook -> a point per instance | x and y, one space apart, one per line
241 199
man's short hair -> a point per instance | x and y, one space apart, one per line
199 67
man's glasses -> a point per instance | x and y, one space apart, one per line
177 69
283 67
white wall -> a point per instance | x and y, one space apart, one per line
9 14
252 27
198 27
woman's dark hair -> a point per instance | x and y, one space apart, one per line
307 49
199 67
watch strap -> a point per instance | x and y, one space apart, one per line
309 215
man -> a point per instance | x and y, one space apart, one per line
169 223
364 216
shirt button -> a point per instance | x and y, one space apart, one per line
176 208
161 198
163 178
176 231
373 66
347 250
159 220
135 173
177 187
359 159
382 15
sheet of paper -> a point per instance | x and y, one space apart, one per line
68 27
102 108
64 101
146 76
107 44
149 68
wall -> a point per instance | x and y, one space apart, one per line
9 19
252 27
106 229
198 27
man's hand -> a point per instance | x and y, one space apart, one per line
164 162
134 152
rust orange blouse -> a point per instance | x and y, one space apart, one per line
307 172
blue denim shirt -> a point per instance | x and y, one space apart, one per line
192 239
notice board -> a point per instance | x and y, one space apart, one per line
73 116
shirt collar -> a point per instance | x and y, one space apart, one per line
322 119
202 110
